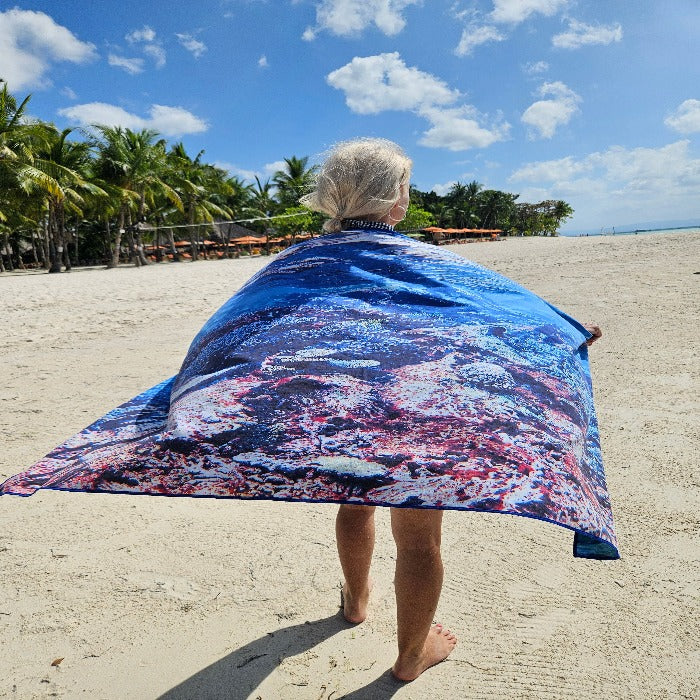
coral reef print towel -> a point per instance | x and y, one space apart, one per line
365 367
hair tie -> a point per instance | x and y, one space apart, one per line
333 225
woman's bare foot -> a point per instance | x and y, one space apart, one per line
438 646
355 605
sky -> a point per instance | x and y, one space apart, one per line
596 102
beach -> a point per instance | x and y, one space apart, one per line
201 598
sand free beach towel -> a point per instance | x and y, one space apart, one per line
365 367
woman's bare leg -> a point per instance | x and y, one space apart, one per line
418 584
354 532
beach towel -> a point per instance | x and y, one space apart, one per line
365 367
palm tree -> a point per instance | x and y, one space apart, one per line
201 188
496 208
239 198
20 139
263 205
459 216
463 194
135 163
293 181
460 203
562 211
237 202
262 202
22 223
68 164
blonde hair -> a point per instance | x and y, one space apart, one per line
359 179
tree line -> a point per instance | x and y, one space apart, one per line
110 194
470 206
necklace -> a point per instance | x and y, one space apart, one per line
359 224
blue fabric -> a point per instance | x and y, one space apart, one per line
366 367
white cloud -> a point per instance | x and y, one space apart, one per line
516 11
272 168
169 121
481 30
267 171
194 46
235 170
582 34
686 118
444 188
641 170
156 52
145 34
352 17
458 129
151 48
473 36
559 170
375 84
130 65
174 121
536 68
619 185
262 62
69 93
30 42
545 116
102 113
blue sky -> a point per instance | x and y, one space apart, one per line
595 102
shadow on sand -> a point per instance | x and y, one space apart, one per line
237 675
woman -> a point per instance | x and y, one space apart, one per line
365 368
364 182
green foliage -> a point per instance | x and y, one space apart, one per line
471 206
294 181
415 219
542 219
296 220
108 193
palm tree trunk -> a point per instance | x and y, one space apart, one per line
14 250
173 249
139 236
193 234
5 245
45 254
200 242
118 241
56 242
133 253
226 240
63 238
34 244
139 247
107 242
159 252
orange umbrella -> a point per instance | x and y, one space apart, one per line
247 240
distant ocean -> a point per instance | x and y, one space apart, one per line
634 232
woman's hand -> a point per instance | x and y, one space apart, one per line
597 333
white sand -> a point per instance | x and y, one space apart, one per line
186 598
